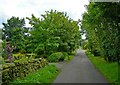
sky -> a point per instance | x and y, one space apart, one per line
25 8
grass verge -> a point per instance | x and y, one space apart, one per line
109 70
42 75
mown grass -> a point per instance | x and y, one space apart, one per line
42 75
109 70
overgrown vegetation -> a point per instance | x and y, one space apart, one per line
109 70
54 32
53 37
43 75
101 24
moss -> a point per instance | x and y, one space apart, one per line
21 68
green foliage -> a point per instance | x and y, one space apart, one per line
55 57
58 56
12 23
1 60
18 56
13 31
109 70
54 32
18 40
42 75
84 44
101 26
65 57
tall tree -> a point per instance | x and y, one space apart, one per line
101 23
13 31
54 32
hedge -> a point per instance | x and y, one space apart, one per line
14 70
58 56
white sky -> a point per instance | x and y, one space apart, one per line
24 8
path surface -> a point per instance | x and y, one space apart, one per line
80 70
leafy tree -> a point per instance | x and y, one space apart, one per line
54 32
102 29
13 31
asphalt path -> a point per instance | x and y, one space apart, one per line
80 70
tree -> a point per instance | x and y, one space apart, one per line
54 32
102 29
13 31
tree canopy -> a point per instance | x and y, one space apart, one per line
102 26
54 32
13 31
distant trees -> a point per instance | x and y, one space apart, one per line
102 26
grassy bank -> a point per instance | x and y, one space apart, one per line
109 70
43 75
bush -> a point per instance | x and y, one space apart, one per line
84 45
66 56
58 56
18 56
54 57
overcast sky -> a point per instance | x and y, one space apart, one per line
24 8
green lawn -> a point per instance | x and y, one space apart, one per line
43 75
109 70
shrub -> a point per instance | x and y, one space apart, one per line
84 45
58 56
18 56
66 56
54 57
1 60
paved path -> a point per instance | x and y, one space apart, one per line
79 70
